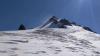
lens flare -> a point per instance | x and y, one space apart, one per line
86 7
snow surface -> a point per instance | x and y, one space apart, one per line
73 41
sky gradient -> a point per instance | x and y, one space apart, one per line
33 13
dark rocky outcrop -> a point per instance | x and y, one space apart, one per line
87 28
21 27
65 22
53 19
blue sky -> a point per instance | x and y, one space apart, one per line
33 13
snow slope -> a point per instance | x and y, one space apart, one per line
73 41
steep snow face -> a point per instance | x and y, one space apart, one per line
73 41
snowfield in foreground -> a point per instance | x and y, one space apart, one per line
73 41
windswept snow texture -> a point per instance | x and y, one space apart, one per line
73 41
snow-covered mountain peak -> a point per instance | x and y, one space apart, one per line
70 41
57 37
55 22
